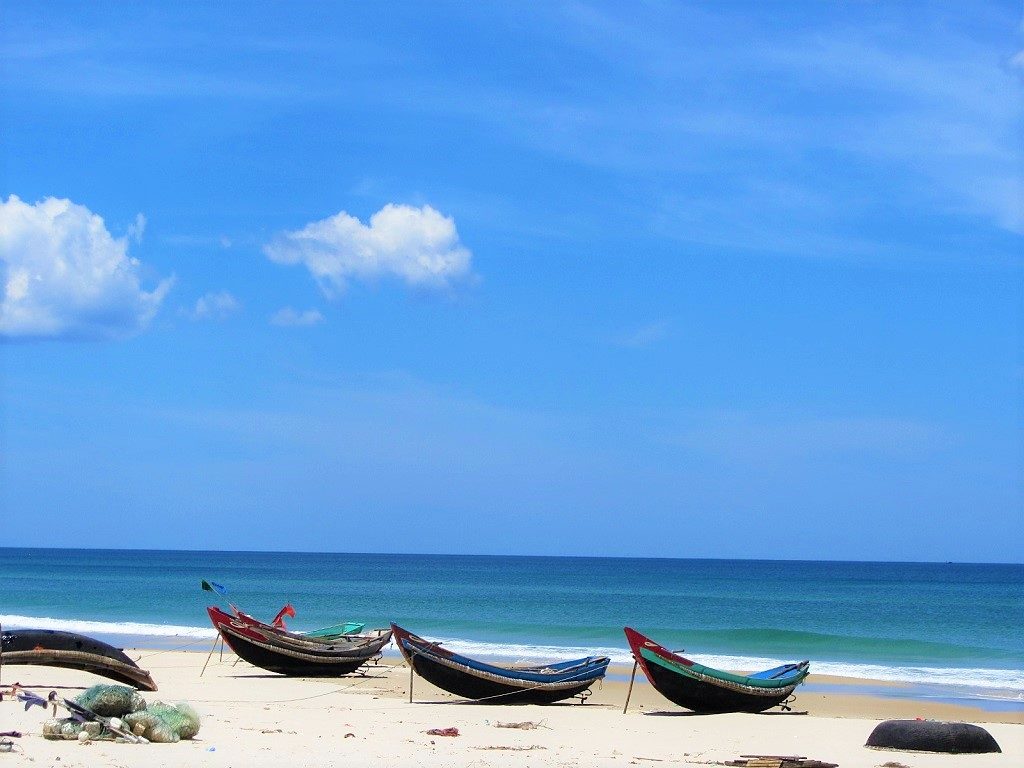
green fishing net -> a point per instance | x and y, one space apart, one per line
164 723
159 722
111 700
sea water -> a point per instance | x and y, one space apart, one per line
952 625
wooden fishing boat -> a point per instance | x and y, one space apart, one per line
705 689
496 683
277 623
53 648
269 651
335 632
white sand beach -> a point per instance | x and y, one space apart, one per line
253 718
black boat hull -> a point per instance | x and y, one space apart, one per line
486 691
487 683
68 650
710 698
285 656
295 663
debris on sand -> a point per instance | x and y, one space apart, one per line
778 761
512 749
526 725
452 731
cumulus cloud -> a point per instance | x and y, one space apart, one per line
290 318
214 306
65 276
417 245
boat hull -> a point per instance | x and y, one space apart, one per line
710 691
489 691
491 684
53 648
710 698
264 650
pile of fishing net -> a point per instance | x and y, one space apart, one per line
121 709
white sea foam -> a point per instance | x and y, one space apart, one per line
1012 679
126 628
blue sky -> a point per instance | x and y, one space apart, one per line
670 279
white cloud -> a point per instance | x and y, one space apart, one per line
417 245
290 318
644 336
214 306
137 228
65 276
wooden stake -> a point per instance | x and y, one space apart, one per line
630 691
410 679
210 654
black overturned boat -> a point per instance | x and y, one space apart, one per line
494 683
53 648
297 655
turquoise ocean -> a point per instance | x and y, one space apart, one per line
947 630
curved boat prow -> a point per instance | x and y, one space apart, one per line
706 689
53 648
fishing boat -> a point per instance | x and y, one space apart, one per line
494 683
708 690
324 634
53 648
269 651
277 623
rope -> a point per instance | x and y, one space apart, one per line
171 650
334 690
331 692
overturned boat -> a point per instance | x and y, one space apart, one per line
53 648
498 683
709 690
297 655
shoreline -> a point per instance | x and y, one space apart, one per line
251 717
995 684
820 695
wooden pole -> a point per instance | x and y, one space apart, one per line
630 691
410 678
221 647
210 654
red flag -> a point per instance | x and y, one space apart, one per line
288 610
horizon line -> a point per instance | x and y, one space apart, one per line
518 555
